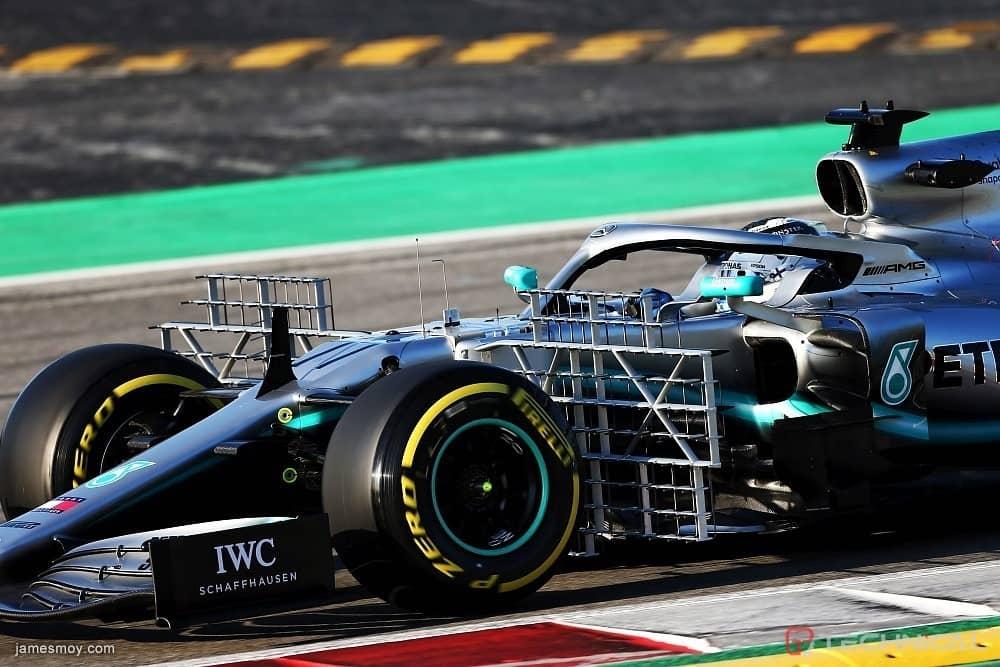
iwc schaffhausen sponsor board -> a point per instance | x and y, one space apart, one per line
284 559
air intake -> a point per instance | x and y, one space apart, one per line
841 187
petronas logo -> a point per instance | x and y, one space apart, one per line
896 380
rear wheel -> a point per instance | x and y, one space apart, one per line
451 486
76 417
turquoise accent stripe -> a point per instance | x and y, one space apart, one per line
542 474
316 417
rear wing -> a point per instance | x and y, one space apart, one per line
871 127
233 339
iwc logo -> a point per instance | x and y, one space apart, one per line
896 379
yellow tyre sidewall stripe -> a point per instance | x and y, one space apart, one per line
439 406
126 388
94 425
570 525
556 553
449 399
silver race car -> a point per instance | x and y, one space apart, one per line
803 371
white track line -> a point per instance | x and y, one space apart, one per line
571 617
919 604
786 205
867 580
693 643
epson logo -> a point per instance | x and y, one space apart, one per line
242 555
895 268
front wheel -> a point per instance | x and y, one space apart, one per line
451 486
75 418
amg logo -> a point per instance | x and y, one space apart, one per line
242 554
894 268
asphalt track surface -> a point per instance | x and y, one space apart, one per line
91 136
377 290
77 135
151 22
63 137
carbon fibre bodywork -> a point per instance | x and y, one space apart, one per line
870 358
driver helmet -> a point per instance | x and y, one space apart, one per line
771 268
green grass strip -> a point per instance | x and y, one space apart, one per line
845 640
414 199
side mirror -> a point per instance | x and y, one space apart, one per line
712 286
521 278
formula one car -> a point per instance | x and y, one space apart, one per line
802 371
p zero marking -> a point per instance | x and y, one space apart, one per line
414 522
107 408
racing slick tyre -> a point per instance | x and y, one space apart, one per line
451 487
75 417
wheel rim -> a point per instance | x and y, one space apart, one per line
489 487
159 415
141 423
